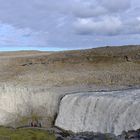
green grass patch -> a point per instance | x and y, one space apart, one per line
25 134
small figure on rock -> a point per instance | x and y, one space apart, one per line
35 123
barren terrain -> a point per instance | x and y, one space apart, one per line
100 66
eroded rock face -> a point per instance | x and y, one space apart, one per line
18 106
105 112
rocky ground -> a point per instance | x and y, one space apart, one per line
129 135
125 135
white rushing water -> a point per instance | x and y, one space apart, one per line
106 112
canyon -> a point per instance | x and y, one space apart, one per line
95 90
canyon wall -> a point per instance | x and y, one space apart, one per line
20 105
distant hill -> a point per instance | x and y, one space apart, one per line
101 66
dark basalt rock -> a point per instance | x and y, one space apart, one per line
130 135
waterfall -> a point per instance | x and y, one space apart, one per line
106 112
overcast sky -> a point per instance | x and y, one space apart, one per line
68 24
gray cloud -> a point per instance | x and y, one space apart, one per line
96 8
9 35
116 17
116 5
106 26
67 23
43 14
34 14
